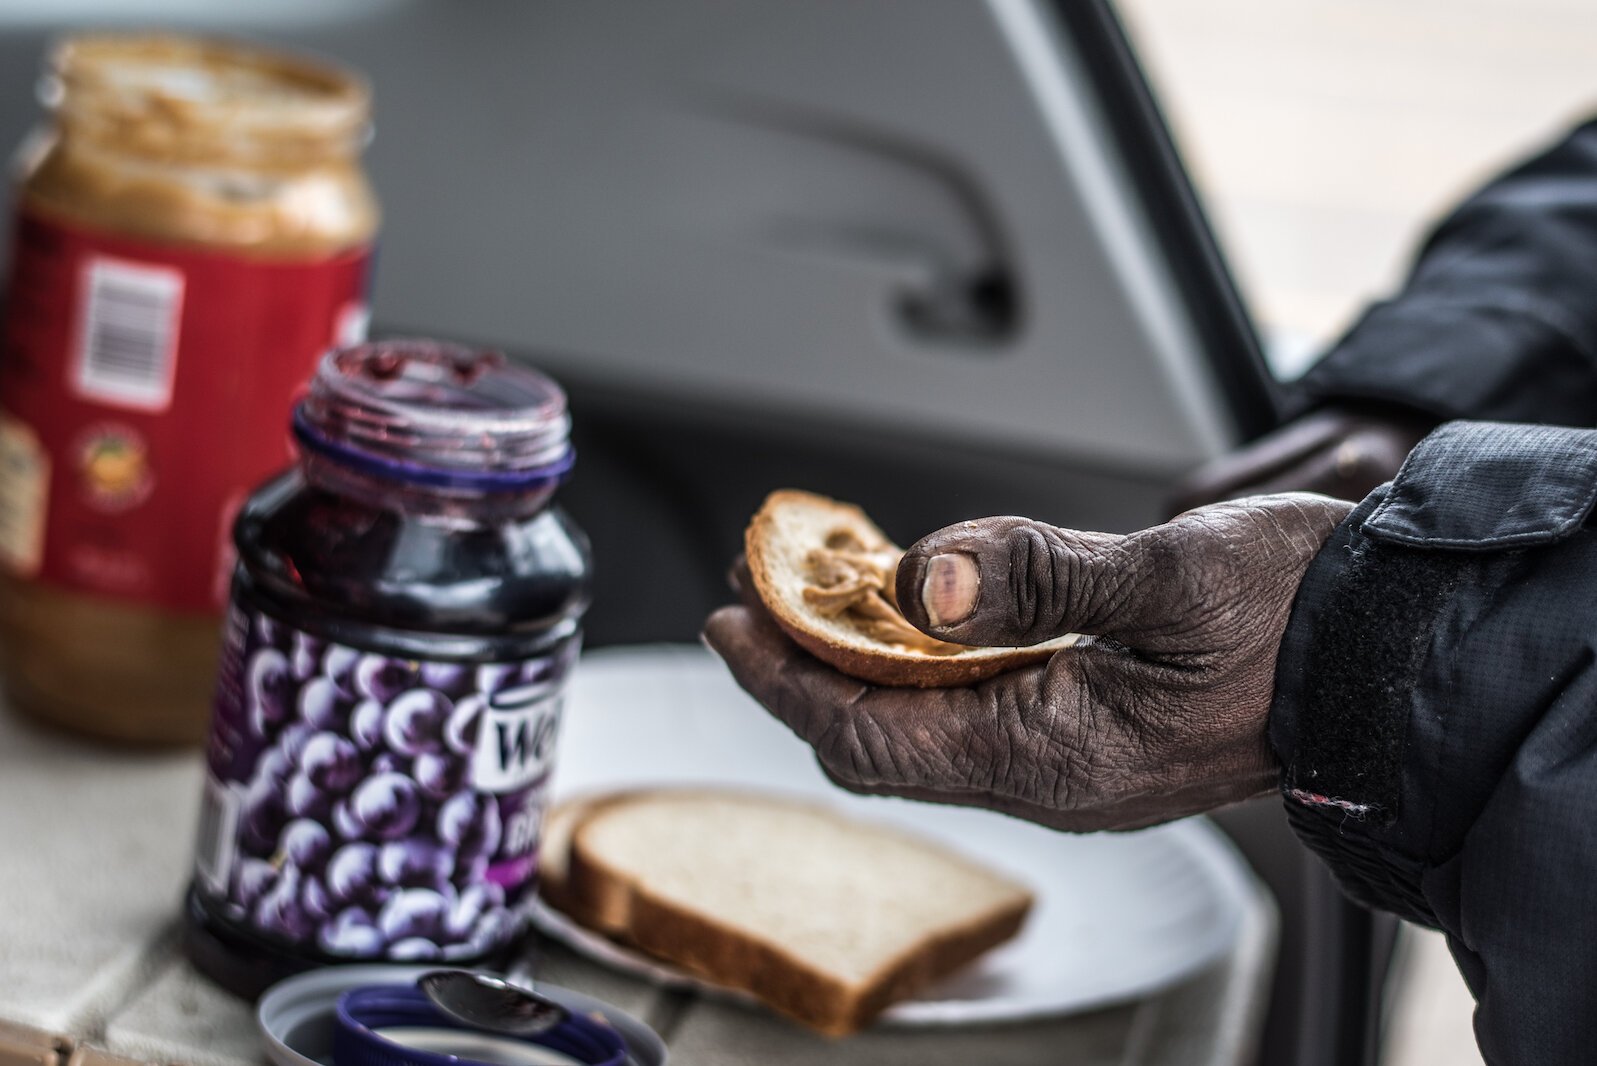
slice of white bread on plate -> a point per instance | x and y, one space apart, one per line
824 918
782 543
554 852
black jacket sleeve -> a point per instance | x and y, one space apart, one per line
1499 317
1436 715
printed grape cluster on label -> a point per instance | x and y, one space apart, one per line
371 806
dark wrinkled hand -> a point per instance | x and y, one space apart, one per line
1161 716
1340 452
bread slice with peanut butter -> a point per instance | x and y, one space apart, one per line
826 573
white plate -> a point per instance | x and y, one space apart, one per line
1117 915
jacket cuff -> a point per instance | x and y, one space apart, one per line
1513 361
1369 691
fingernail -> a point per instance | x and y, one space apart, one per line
948 591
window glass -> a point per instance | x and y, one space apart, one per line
1325 135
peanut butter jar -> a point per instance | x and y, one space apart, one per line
191 231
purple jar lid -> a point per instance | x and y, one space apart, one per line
437 414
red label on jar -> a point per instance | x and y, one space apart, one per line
145 392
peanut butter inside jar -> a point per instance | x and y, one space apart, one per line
186 144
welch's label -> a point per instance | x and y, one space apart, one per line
516 738
374 807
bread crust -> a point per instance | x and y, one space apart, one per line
881 664
556 886
699 945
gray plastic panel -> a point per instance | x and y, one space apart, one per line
731 201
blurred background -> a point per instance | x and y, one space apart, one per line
902 252
1327 136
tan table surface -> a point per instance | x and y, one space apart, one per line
98 845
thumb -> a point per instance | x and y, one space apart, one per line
1000 582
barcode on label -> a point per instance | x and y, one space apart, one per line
127 333
213 851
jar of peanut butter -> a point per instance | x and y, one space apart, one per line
192 229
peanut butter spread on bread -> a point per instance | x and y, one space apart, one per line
849 580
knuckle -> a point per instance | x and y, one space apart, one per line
837 748
1163 572
1030 577
1045 571
856 748
879 758
924 740
1156 555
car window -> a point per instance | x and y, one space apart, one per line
1326 135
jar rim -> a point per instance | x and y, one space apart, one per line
206 96
437 413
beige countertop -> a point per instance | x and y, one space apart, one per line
98 845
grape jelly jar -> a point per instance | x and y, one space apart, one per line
405 610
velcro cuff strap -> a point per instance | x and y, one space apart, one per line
1364 660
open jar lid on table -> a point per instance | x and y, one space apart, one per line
298 1021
